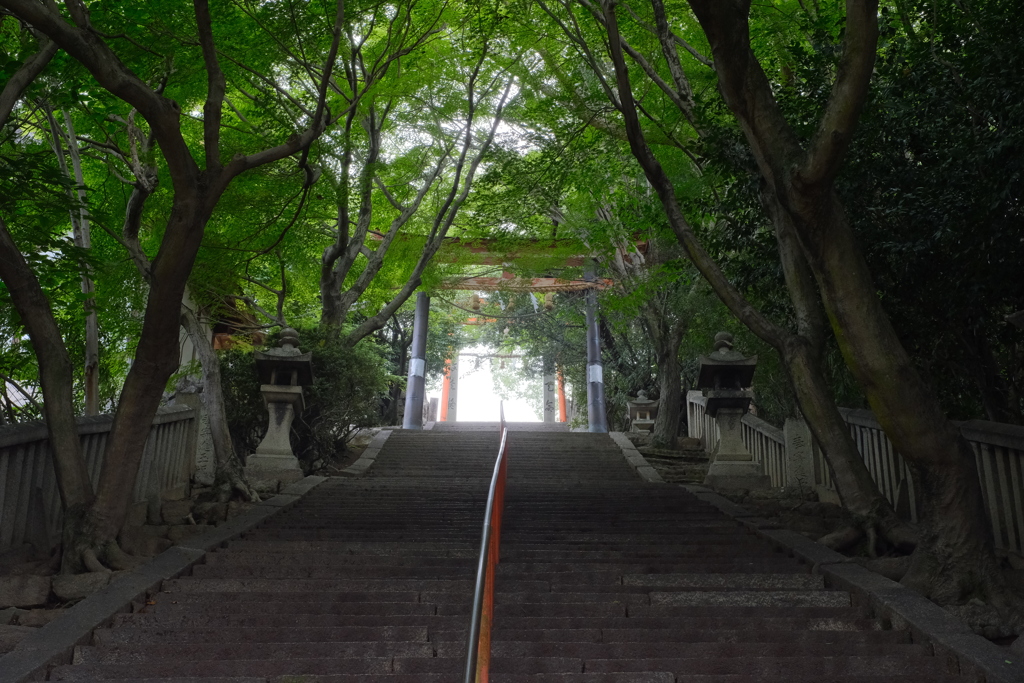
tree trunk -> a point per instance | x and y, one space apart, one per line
332 313
955 559
666 338
666 424
90 537
229 475
800 352
156 358
83 240
56 374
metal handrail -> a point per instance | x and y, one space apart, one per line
478 659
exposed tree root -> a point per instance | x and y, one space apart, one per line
881 534
104 557
842 539
92 562
893 568
230 482
86 548
998 619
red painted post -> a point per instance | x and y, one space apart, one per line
561 397
445 389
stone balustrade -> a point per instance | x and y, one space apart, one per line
30 507
999 449
764 441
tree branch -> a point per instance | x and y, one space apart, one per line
26 73
754 319
111 73
213 108
849 92
675 38
679 101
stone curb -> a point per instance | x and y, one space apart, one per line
635 459
950 637
369 456
54 643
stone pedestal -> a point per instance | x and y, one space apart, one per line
732 465
205 463
799 453
549 396
450 397
274 460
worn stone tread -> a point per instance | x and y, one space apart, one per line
605 578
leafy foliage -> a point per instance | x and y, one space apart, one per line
348 387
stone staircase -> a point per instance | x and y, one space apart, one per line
603 579
688 466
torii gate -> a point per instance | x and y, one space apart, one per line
595 370
553 385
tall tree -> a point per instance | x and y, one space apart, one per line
953 560
677 129
83 240
380 195
92 520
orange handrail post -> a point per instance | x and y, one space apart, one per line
478 659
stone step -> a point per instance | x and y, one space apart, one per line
825 668
631 677
341 562
676 636
812 619
184 666
625 651
510 574
149 635
744 548
604 578
239 585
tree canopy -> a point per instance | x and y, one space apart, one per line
844 176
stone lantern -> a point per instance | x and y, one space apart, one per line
283 372
726 376
642 412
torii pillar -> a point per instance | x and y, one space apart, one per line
450 391
416 385
562 417
596 412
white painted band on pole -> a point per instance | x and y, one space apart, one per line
417 367
595 373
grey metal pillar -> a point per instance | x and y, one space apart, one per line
549 390
453 391
415 387
596 413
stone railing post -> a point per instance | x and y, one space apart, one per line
799 453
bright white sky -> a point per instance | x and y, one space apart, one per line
477 399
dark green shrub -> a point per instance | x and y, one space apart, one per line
348 385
